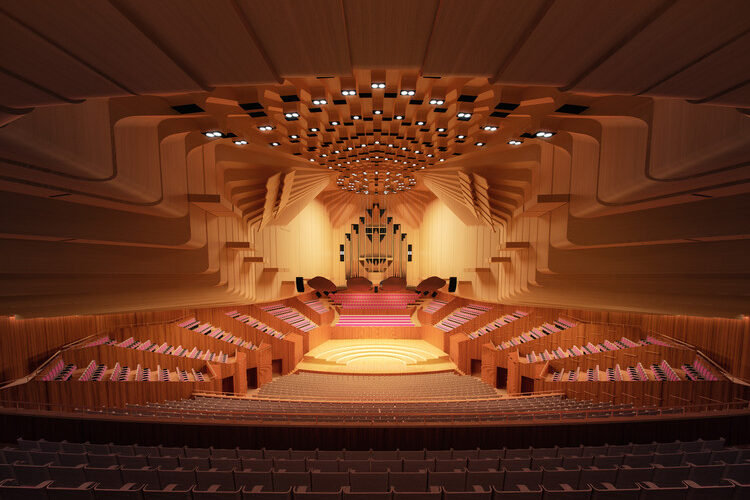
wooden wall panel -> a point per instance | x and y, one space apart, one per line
26 343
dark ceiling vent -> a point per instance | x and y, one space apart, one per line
290 98
572 109
186 109
249 106
467 98
508 106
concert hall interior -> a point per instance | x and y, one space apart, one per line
375 249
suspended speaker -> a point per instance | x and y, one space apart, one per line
452 284
300 284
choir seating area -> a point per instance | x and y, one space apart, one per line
354 300
378 320
699 469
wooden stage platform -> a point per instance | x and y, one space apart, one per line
373 356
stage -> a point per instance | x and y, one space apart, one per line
376 356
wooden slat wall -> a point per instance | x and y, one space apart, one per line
26 343
725 340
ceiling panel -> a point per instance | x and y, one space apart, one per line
683 33
36 60
717 72
389 33
99 35
474 38
224 56
570 37
301 38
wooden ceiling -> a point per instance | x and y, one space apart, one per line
115 199
690 49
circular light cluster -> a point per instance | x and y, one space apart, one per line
437 102
213 134
348 92
320 102
265 128
544 133
408 92
514 142
240 142
369 181
378 85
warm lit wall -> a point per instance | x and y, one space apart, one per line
305 247
448 247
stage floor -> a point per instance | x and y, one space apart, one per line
376 356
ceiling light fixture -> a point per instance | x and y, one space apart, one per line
489 128
545 134
464 116
355 117
437 102
265 128
420 123
514 142
241 142
379 85
378 112
319 102
408 92
480 144
314 129
213 134
275 144
348 92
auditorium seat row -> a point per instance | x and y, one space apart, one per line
291 316
234 475
215 332
434 306
442 385
400 300
316 305
494 325
590 348
655 372
461 316
535 408
536 333
165 348
379 320
98 372
254 323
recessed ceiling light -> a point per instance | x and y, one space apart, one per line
320 102
348 92
436 102
294 136
337 151
311 159
441 129
291 115
408 92
379 85
378 112
399 117
403 149
514 142
417 152
314 129
479 144
355 117
334 123
544 133
323 155
464 116
265 128
275 144
213 134
489 128
349 148
420 123
429 155
240 142
442 159
461 136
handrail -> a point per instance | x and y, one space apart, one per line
271 417
232 395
